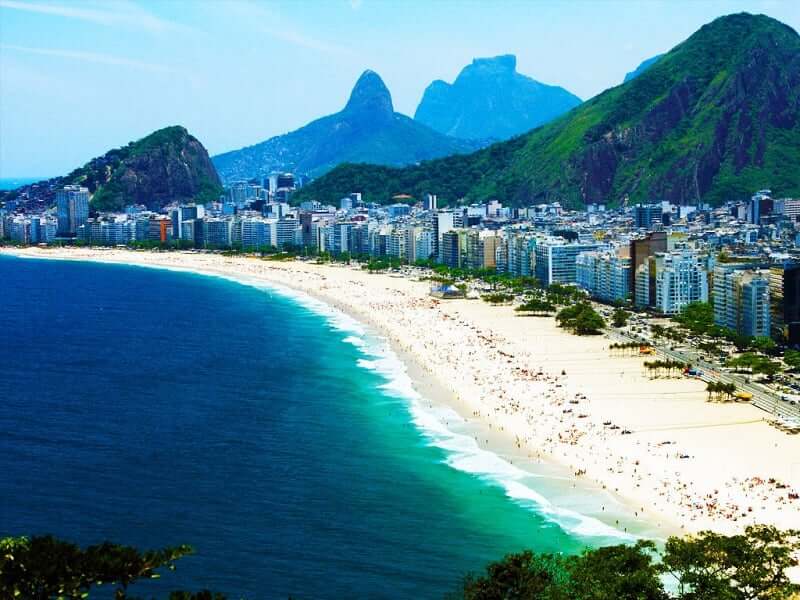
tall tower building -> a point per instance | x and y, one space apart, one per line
72 204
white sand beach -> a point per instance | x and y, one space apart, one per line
689 463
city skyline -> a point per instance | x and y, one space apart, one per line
239 73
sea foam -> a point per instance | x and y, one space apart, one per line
461 451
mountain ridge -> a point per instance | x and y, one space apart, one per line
168 165
366 129
715 118
489 99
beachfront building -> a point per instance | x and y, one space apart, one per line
441 222
256 232
396 243
36 229
604 274
108 231
680 278
741 299
785 300
72 205
520 254
217 232
555 259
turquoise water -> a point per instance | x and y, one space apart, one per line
275 435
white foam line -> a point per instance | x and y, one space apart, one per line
462 451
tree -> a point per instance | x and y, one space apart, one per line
520 576
589 322
750 566
41 568
616 572
620 317
763 344
536 306
581 319
707 566
792 359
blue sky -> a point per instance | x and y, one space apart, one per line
78 78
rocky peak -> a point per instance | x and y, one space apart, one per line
370 96
505 63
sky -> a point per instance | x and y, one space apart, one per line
79 78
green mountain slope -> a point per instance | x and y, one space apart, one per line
367 130
169 165
714 119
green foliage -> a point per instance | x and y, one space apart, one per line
581 319
497 298
792 359
749 566
125 175
706 566
536 306
698 317
720 390
525 575
756 363
616 572
620 317
41 568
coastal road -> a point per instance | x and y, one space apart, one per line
762 398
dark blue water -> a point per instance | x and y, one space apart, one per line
155 408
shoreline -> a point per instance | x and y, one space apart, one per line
531 420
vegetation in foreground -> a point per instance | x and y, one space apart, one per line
708 566
46 568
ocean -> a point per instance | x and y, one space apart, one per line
277 436
12 183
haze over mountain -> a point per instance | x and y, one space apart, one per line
716 118
166 166
643 66
490 100
367 130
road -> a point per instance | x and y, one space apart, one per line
762 398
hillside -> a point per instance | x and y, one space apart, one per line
166 166
490 100
715 118
367 130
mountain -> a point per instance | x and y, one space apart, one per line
367 130
490 100
166 166
716 118
643 66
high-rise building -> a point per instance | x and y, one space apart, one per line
785 301
647 215
72 204
680 278
431 202
556 260
442 222
760 205
520 257
448 249
604 274
741 299
640 251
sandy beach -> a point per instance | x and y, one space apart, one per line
657 444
